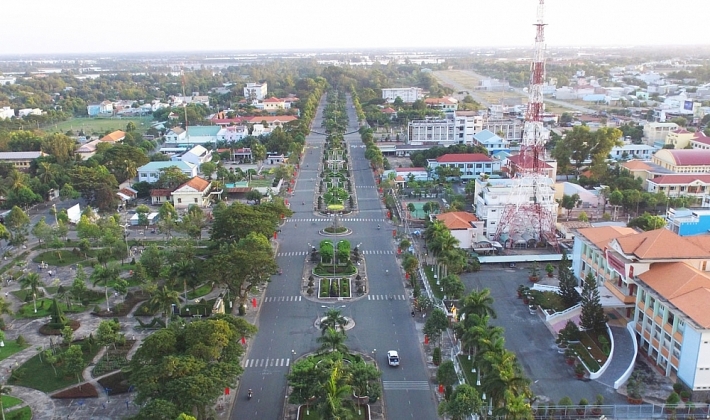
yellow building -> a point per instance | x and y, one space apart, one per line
684 161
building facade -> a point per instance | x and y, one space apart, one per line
470 165
408 95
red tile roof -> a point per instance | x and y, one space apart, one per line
113 137
389 111
160 193
680 179
690 157
197 183
457 220
700 137
463 157
660 244
417 169
273 99
270 119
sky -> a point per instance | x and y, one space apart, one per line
91 26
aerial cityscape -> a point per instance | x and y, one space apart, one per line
352 211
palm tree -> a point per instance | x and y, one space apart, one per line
479 302
185 270
129 169
333 320
336 391
332 340
5 307
45 172
16 180
164 299
3 391
105 275
504 375
33 282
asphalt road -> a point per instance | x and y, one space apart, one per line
286 319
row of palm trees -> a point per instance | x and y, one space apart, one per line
444 247
501 377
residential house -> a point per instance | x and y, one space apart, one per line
175 135
407 95
242 154
272 122
471 165
255 91
463 226
236 132
684 161
391 112
159 196
494 195
6 113
196 156
20 160
150 172
127 194
114 137
28 111
275 159
104 108
273 104
445 104
199 134
194 192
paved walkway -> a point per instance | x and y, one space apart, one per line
623 356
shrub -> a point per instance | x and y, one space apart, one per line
436 356
673 400
21 340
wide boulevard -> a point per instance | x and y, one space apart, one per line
286 318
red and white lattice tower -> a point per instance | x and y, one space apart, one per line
530 212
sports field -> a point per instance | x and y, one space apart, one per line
99 125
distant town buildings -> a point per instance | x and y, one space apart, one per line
255 91
408 95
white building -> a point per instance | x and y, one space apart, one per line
491 141
196 192
493 195
408 95
445 104
632 151
471 165
463 226
656 132
237 132
6 113
255 91
175 135
199 134
456 128
196 156
7 80
28 111
150 172
509 129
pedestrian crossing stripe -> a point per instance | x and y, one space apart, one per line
386 297
365 186
292 254
377 252
406 385
257 363
282 299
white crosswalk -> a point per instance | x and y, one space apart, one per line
405 385
386 297
282 299
377 252
366 186
259 363
292 254
344 219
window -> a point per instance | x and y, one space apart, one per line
671 319
676 350
195 199
179 200
657 332
681 326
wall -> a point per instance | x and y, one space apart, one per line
689 356
701 227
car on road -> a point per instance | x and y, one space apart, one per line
392 358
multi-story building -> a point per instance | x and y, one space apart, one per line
255 91
678 185
493 195
151 172
686 222
446 104
509 129
408 95
632 151
471 165
491 141
656 132
20 160
663 281
684 161
455 128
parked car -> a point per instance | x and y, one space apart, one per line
392 358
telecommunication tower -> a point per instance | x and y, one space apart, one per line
530 212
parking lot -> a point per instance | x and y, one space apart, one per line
529 338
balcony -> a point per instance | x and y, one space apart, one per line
620 292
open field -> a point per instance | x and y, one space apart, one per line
99 125
461 80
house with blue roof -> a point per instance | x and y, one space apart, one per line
491 141
199 134
150 172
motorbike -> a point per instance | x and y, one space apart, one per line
281 271
249 394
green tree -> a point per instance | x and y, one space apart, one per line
42 231
17 222
74 362
453 286
107 334
78 287
193 222
333 320
463 403
163 300
105 274
479 302
593 317
647 222
208 169
167 219
152 259
34 283
569 202
332 340
446 374
568 282
436 324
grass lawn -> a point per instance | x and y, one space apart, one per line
40 376
260 183
43 305
24 413
61 257
432 282
548 300
11 347
9 401
466 366
200 291
589 351
99 125
313 413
